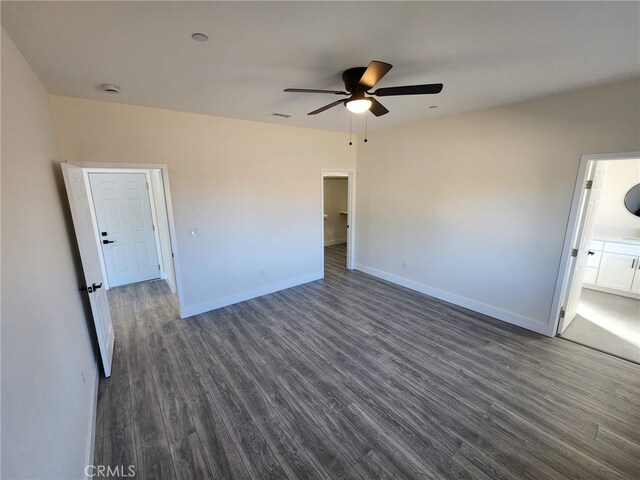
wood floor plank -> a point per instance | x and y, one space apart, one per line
354 377
292 457
173 405
254 449
607 437
189 459
221 452
330 415
152 445
119 447
308 433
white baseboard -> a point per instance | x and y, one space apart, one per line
91 435
505 316
337 241
192 310
612 291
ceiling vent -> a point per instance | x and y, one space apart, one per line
110 88
199 37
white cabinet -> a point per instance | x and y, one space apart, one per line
613 267
593 262
590 275
635 285
616 271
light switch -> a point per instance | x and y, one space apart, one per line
194 232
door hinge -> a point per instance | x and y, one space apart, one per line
589 184
562 312
158 266
574 252
154 227
147 185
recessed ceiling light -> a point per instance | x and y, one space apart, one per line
110 88
433 106
199 37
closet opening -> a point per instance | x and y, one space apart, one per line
338 219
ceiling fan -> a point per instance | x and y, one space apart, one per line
357 83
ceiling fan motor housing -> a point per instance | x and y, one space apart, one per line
351 79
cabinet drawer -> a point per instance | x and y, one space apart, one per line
622 248
590 275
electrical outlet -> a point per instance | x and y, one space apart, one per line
194 232
405 265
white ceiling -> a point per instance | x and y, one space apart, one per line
485 53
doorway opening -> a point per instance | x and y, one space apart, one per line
338 218
130 220
597 300
123 221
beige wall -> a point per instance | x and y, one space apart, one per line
478 203
613 217
252 190
335 201
47 408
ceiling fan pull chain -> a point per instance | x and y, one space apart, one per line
350 127
365 128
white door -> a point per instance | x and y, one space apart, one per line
591 201
81 214
125 225
616 271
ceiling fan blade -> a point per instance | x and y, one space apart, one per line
409 90
374 72
377 108
326 107
308 90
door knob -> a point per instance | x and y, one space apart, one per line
95 287
106 242
591 252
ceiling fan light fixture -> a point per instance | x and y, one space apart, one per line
359 105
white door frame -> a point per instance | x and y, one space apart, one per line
94 217
566 267
115 167
350 175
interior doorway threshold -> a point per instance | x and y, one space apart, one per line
597 349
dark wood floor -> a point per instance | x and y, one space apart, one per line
352 377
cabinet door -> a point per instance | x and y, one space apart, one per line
635 286
616 271
590 275
593 260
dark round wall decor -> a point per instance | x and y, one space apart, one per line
632 200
